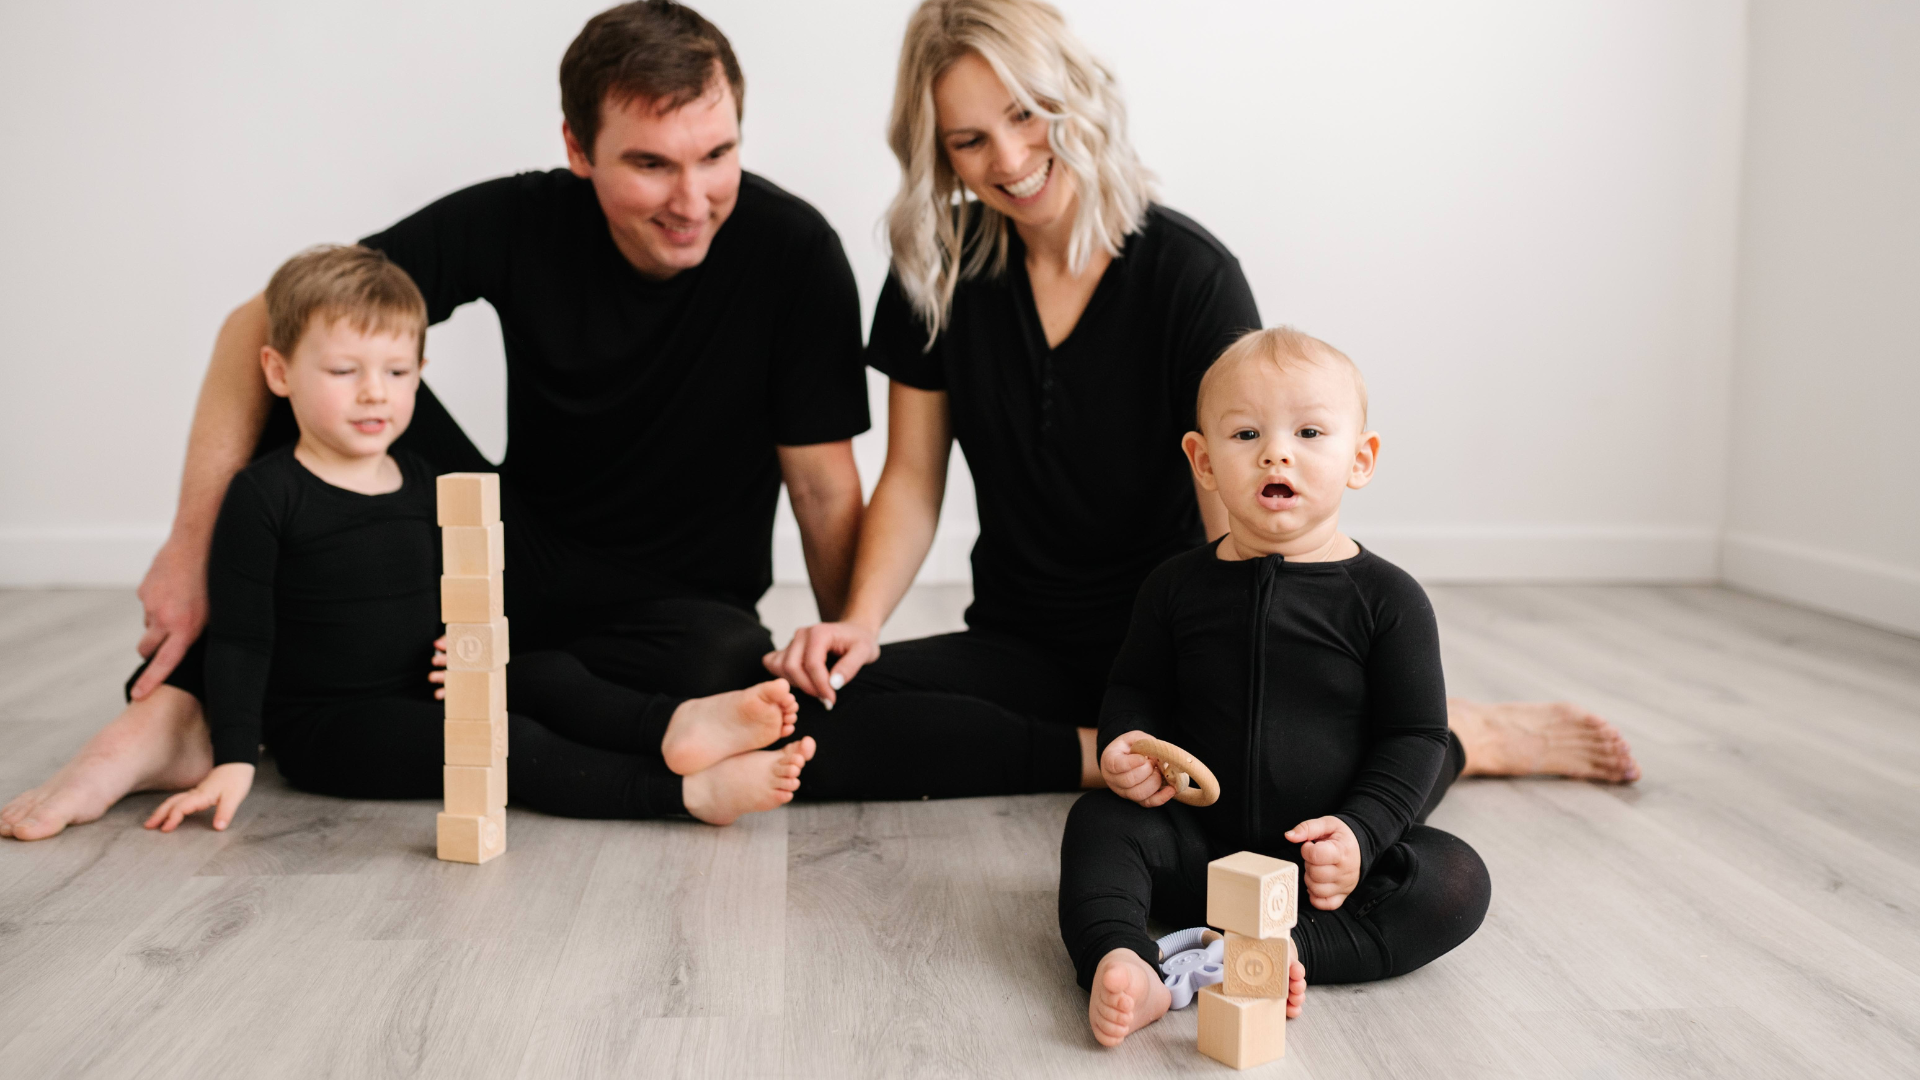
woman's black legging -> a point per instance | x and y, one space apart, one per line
956 715
1120 863
579 746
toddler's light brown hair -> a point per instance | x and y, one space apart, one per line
342 281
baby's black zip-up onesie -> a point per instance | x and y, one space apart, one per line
1309 689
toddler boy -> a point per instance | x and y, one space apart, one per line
324 607
1305 671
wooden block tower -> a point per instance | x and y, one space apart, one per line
473 828
1243 1022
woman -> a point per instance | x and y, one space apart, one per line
1046 313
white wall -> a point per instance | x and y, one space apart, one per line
1824 492
1519 218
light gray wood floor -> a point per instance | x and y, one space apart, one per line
1752 908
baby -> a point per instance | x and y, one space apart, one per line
323 590
1304 671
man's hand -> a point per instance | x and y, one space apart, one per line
1133 776
804 661
1331 854
224 789
174 594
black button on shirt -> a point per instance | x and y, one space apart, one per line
1075 450
642 415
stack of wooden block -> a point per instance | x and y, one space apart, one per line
1243 1021
474 827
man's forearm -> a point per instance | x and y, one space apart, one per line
829 534
227 421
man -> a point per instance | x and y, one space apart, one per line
681 337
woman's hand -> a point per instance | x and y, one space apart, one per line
438 676
804 661
1331 854
224 789
1133 776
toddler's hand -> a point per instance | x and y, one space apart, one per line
1331 854
223 789
1133 776
438 676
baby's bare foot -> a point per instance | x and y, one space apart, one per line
746 783
1127 996
1296 989
706 731
1522 738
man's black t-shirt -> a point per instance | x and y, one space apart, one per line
1075 451
642 415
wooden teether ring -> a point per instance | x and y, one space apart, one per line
1193 783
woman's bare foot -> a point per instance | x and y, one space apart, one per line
159 743
1127 996
1522 738
746 783
706 731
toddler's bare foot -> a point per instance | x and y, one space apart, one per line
1127 996
746 783
706 731
1296 989
1522 738
159 743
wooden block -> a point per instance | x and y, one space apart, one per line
1252 894
1242 1032
477 742
1257 967
473 550
468 498
477 695
471 838
471 599
475 790
477 646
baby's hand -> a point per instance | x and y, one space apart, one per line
223 789
438 676
1133 776
1331 854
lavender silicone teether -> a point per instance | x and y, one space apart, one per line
1192 959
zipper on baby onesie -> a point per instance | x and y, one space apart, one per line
1263 578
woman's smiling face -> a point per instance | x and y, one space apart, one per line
998 149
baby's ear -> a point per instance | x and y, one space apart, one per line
1366 455
1195 444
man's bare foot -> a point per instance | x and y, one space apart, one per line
159 743
1127 996
746 783
706 731
1522 738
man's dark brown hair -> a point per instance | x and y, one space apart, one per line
650 50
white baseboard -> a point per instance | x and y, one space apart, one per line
1860 589
77 555
947 563
1494 554
1528 553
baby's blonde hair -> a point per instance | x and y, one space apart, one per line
1051 74
1283 347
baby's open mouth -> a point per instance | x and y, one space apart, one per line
1276 491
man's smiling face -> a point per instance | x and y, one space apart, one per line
666 180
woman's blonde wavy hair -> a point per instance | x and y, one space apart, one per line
1050 73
